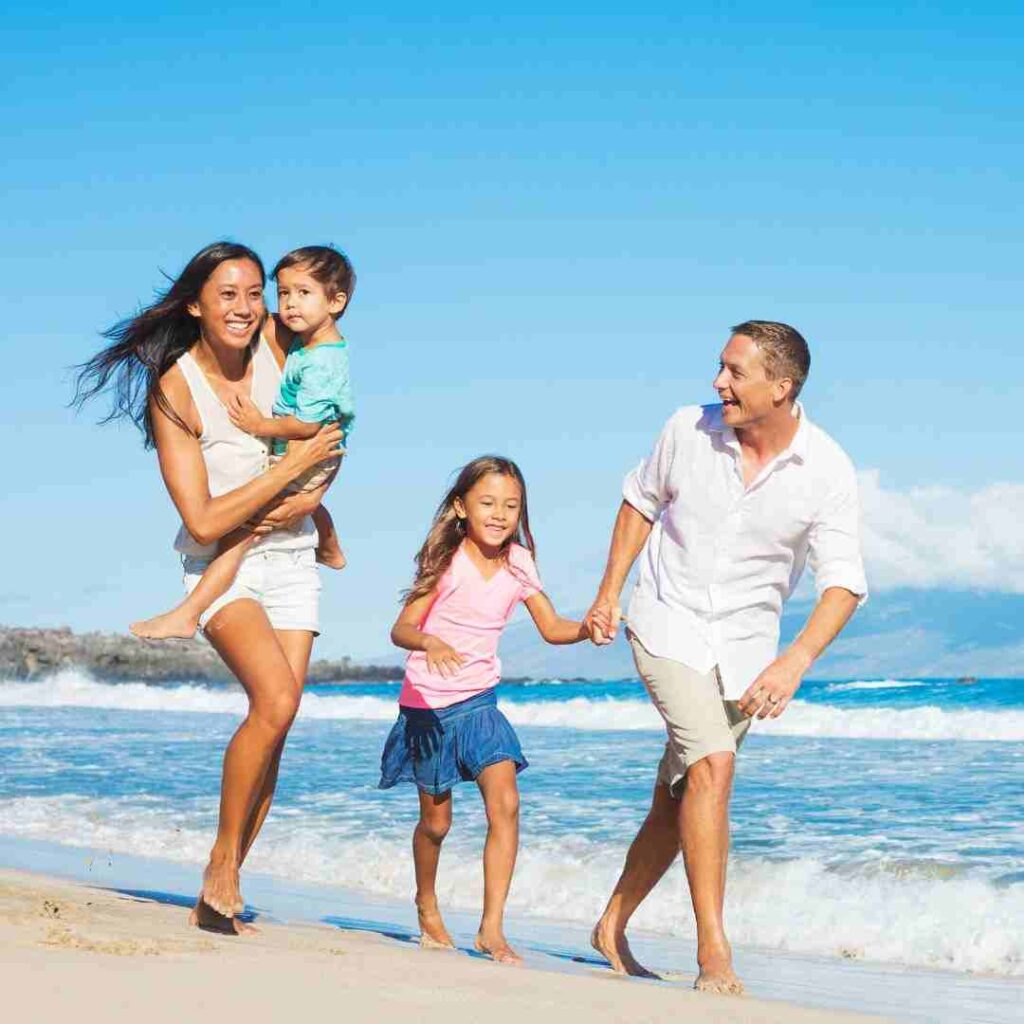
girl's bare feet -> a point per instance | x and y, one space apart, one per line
220 890
614 947
497 948
433 934
175 624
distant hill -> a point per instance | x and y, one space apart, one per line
897 633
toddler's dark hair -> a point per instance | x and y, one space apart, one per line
331 267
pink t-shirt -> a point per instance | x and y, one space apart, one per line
469 613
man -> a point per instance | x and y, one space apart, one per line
731 503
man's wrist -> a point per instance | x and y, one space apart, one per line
803 657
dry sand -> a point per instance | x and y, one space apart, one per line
69 953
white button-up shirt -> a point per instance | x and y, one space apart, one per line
723 557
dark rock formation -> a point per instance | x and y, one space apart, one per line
34 653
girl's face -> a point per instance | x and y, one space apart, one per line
491 510
302 301
230 306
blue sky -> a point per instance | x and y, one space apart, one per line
555 219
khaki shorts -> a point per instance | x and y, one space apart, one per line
312 478
698 719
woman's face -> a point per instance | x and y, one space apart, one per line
230 306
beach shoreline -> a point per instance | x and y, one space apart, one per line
95 953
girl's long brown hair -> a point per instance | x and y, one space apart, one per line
447 530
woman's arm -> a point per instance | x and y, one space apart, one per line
406 633
207 518
551 626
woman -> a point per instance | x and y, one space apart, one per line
175 367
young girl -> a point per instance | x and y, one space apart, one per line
314 285
474 568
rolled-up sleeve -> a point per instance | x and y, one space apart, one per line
834 547
647 488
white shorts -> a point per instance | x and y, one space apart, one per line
285 582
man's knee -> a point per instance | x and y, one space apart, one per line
713 773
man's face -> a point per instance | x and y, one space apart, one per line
742 384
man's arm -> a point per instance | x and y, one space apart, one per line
770 693
628 538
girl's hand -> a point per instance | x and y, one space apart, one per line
321 447
441 658
244 414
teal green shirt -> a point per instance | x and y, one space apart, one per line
315 387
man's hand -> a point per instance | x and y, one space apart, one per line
770 693
602 621
245 415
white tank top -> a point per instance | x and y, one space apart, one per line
232 456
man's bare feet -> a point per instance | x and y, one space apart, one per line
329 553
220 890
205 917
497 948
716 974
175 624
433 934
614 947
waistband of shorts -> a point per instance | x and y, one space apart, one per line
479 702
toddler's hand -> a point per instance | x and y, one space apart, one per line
441 658
244 414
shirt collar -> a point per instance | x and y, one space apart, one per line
797 448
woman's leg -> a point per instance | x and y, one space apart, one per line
497 784
435 821
243 637
183 620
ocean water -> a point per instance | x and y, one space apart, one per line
880 820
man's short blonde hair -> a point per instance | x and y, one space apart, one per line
784 350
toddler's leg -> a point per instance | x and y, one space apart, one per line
435 820
328 547
497 784
183 621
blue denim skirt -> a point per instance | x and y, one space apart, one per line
436 748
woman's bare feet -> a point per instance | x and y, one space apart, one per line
497 948
205 917
716 973
433 934
220 890
614 947
175 624
329 553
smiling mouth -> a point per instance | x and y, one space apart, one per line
240 328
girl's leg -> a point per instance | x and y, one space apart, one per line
328 547
243 637
497 784
435 821
183 620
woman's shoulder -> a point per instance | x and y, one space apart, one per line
175 387
277 338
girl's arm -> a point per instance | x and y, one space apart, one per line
184 471
246 416
551 625
406 633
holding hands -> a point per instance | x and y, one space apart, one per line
602 621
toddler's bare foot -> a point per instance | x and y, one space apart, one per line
614 947
329 553
220 890
176 623
205 917
716 973
497 948
433 934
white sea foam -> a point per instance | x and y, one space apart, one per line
911 916
875 684
73 689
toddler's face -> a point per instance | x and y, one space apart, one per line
302 301
491 509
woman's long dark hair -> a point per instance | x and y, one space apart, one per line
447 531
145 346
